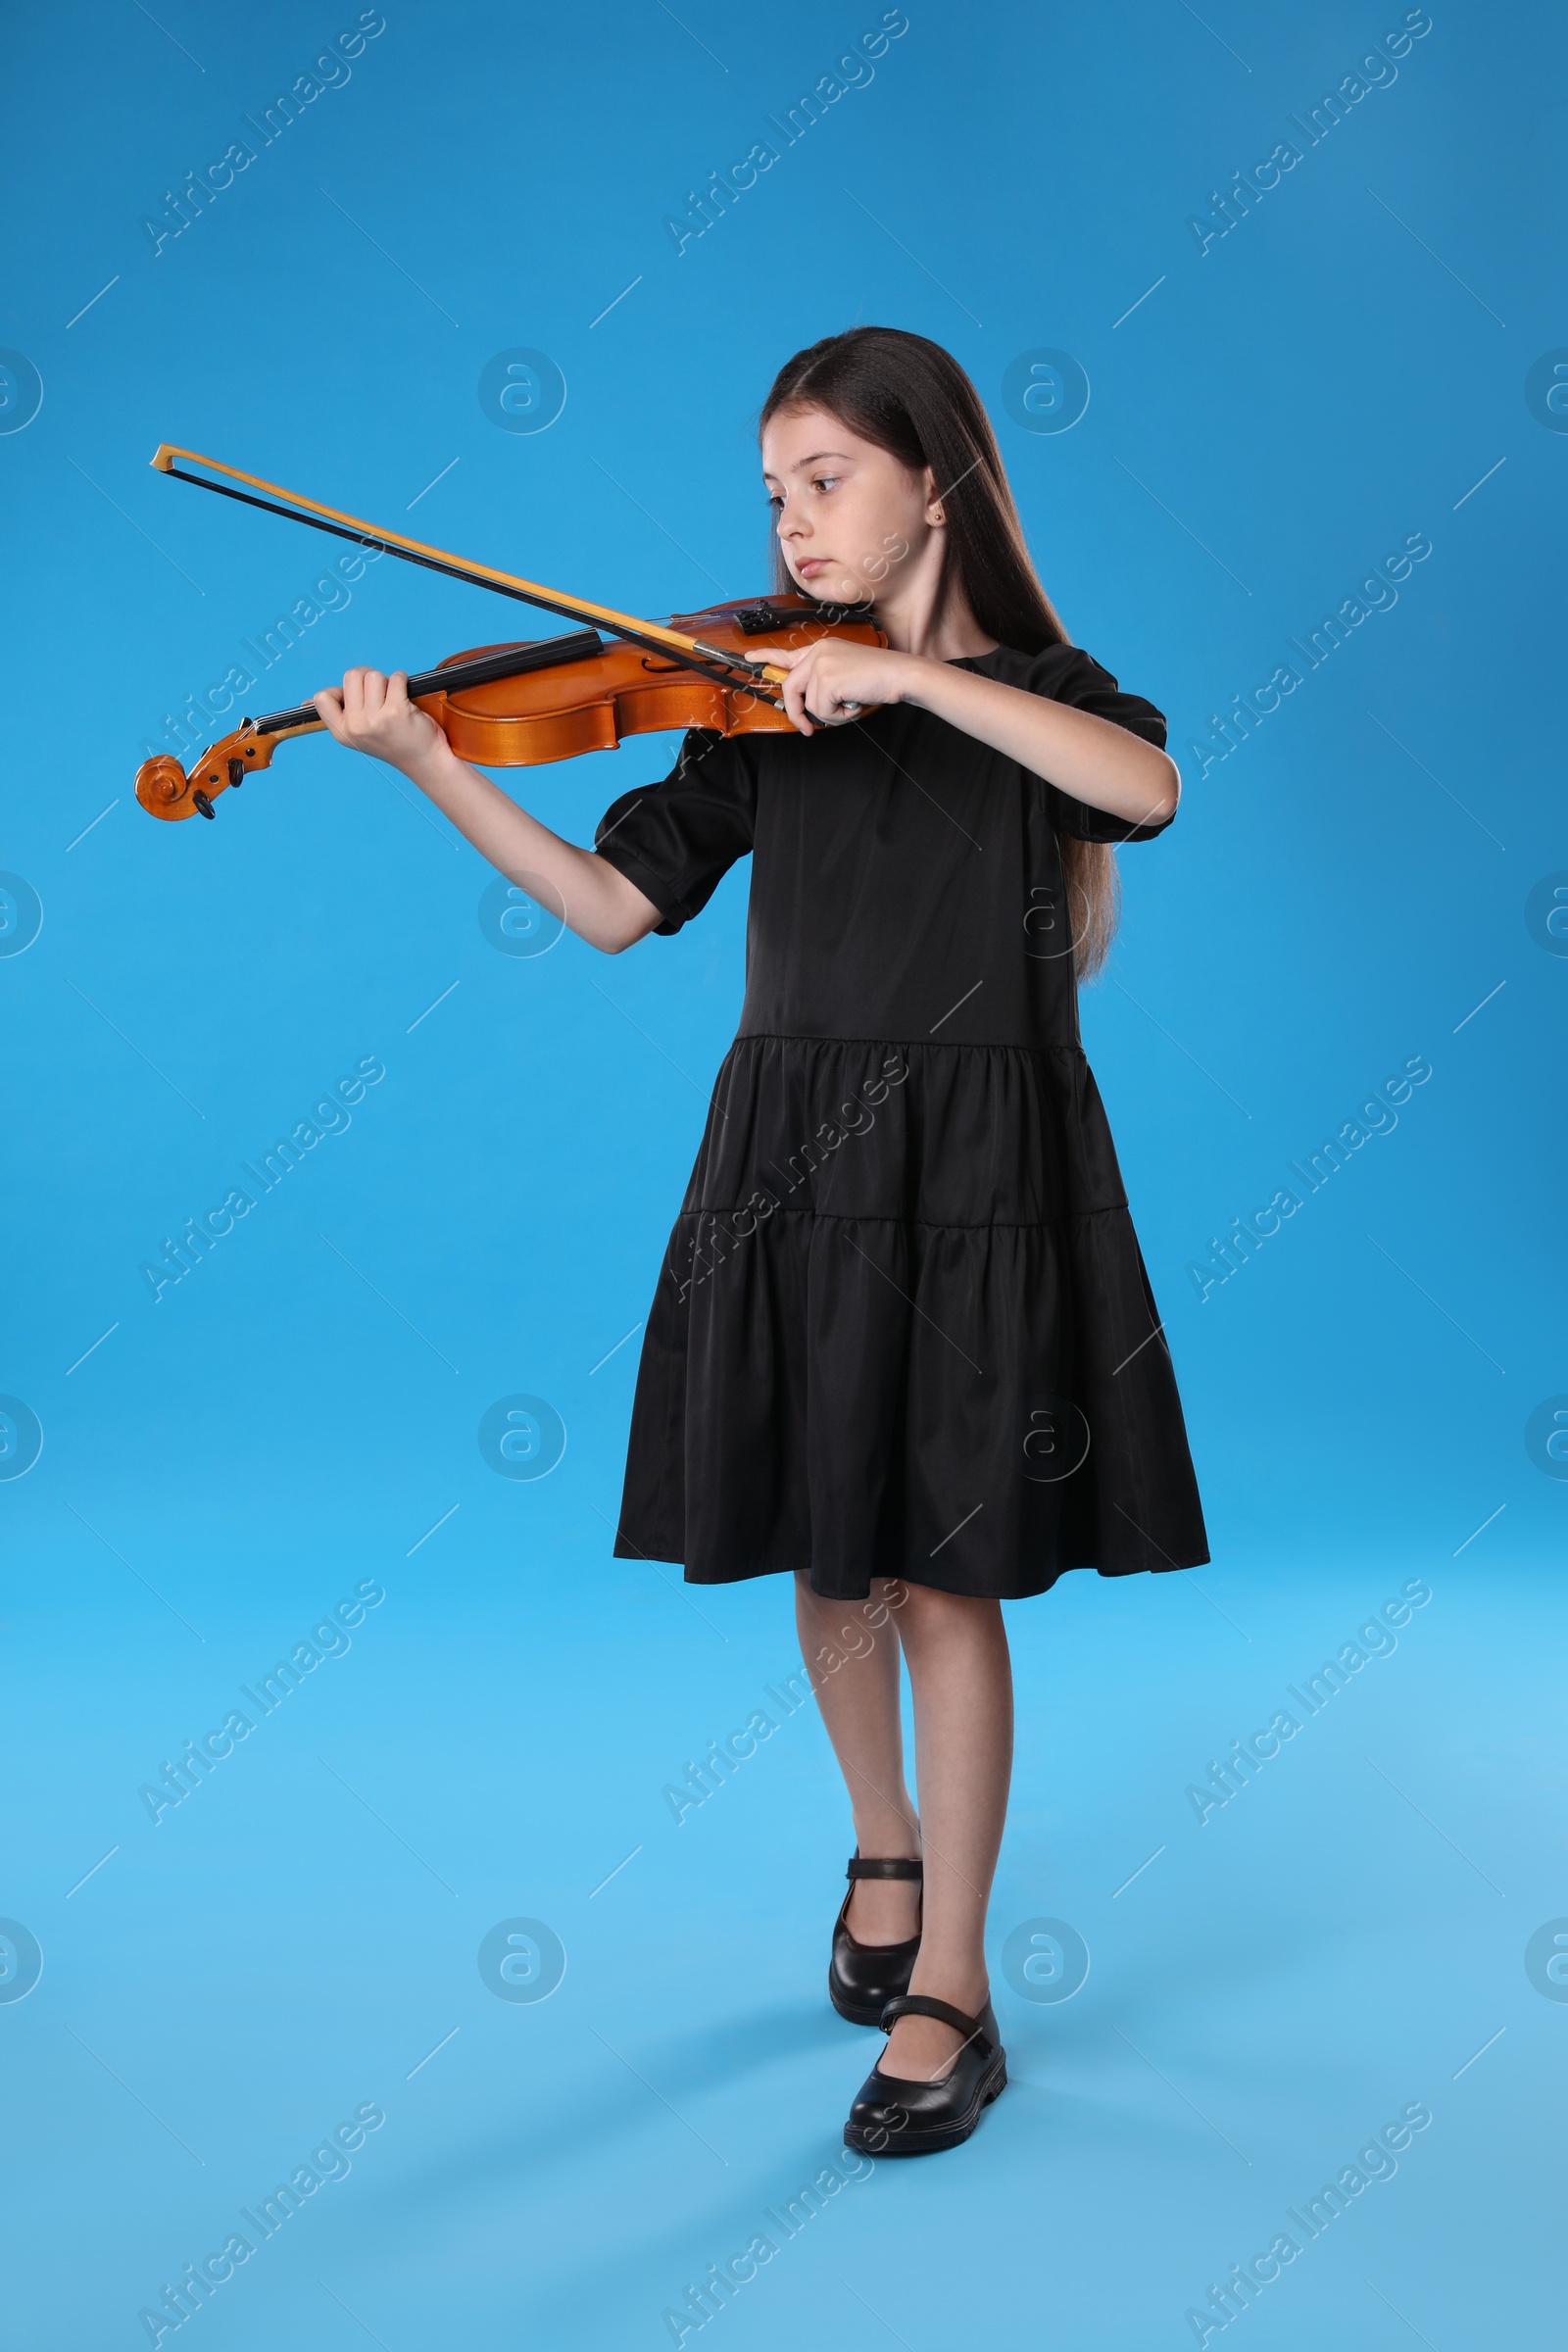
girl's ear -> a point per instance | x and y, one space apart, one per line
933 503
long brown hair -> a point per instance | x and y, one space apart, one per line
906 395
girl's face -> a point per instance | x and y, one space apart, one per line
851 517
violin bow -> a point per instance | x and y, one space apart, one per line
711 662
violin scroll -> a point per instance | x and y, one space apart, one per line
164 790
159 784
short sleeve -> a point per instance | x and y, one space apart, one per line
677 840
1067 674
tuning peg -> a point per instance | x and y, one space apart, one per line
203 802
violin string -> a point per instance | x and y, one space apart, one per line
705 669
454 677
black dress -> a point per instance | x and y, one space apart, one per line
903 1325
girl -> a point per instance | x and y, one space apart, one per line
904 1348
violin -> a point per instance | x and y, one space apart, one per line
523 705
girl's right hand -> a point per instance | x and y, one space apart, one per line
373 713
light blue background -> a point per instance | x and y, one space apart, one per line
1345 367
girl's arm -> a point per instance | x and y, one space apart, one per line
1089 758
373 713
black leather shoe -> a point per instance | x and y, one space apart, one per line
895 2118
863 1978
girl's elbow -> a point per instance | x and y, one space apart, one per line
626 915
628 930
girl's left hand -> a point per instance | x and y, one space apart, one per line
834 681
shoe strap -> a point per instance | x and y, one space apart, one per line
862 1868
924 2004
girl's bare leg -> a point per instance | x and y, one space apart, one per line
960 1675
852 1648
961 1678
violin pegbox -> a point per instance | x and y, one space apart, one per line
164 790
